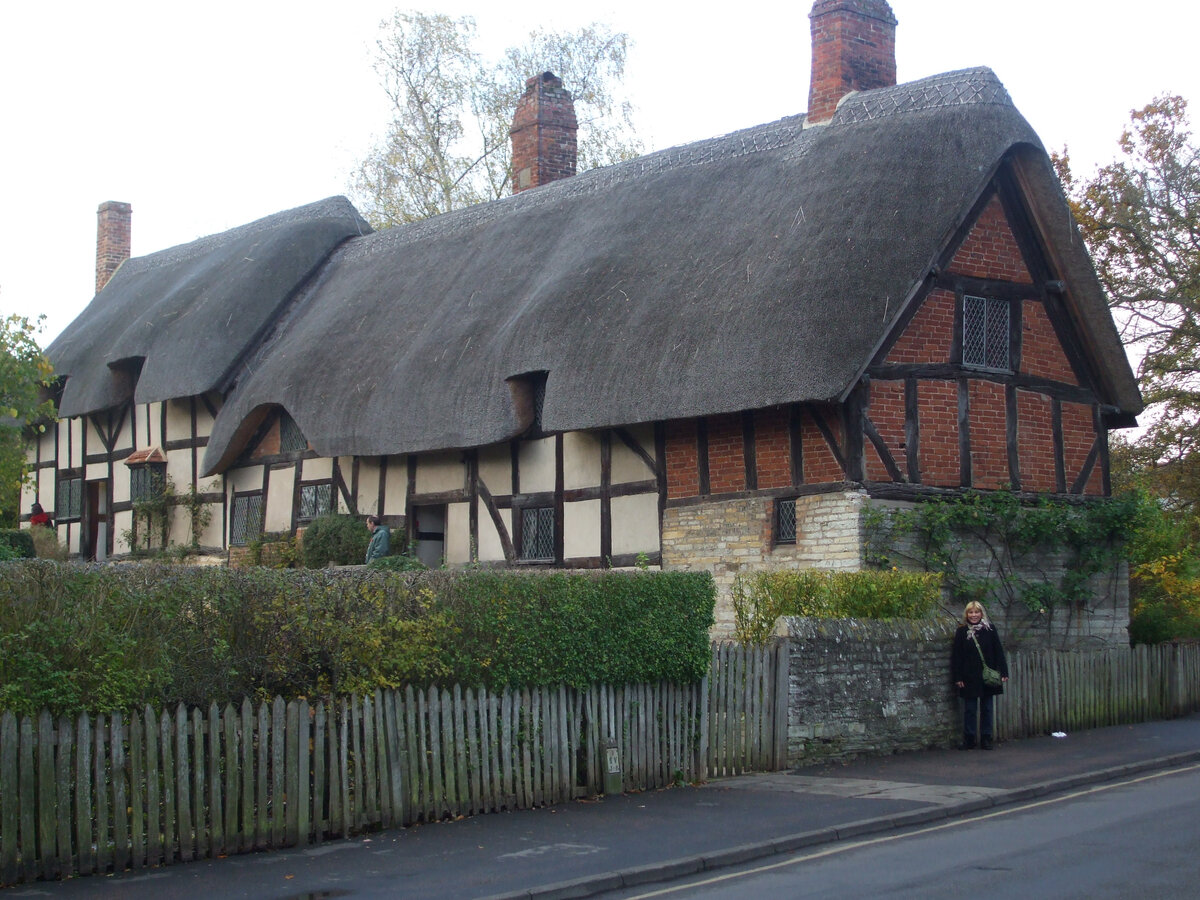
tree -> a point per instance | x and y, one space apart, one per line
1140 217
24 374
447 145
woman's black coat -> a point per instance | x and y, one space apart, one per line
965 665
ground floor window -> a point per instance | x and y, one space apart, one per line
68 503
537 534
316 499
246 518
785 521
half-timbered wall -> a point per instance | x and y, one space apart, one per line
1033 425
95 449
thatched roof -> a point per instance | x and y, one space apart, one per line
754 269
184 316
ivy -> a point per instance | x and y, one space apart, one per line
1035 560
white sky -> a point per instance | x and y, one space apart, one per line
206 116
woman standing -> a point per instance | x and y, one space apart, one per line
976 642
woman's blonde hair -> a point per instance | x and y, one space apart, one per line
973 605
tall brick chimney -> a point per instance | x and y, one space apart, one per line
853 49
112 239
543 133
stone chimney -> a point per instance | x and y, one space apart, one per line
112 239
853 49
543 133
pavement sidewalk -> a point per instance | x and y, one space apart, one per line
586 848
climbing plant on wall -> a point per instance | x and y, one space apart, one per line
1037 562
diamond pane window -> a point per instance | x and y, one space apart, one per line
291 438
69 500
785 522
985 333
315 500
146 481
537 533
247 519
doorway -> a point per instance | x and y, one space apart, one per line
429 532
95 515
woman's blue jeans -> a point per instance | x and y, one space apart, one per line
978 708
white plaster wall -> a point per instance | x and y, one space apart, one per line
46 445
490 548
536 461
122 522
95 472
214 534
204 422
437 472
627 465
458 533
47 484
395 495
318 469
581 460
280 490
153 430
242 480
179 469
581 529
179 420
495 470
368 486
635 524
121 478
94 443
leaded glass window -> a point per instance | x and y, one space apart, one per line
985 333
785 521
537 533
315 500
68 502
247 519
146 481
291 438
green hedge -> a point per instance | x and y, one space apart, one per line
16 543
761 598
338 539
95 638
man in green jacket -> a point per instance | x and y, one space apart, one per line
380 539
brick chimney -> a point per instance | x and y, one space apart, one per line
543 133
112 239
853 49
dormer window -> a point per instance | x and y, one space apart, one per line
985 343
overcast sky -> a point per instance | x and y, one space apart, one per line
206 116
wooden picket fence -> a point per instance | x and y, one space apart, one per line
1053 690
109 793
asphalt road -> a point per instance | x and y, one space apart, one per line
1133 838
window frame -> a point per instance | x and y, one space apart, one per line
782 539
245 537
545 519
301 518
990 304
157 479
72 509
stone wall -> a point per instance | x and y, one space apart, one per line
859 688
1103 622
730 536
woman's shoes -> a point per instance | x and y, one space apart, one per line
985 743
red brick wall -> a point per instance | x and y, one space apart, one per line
989 435
990 250
270 443
928 336
937 407
1079 433
820 465
772 448
683 470
886 411
1035 441
113 235
1041 353
853 49
726 455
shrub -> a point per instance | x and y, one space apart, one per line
46 544
16 543
761 598
95 638
337 539
401 562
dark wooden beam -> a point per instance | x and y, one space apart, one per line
749 454
1056 428
1011 434
702 457
881 448
965 475
912 430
